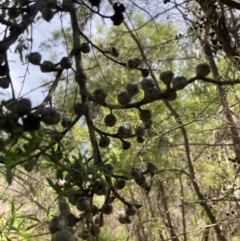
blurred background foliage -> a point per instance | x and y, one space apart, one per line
172 205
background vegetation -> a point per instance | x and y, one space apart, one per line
172 176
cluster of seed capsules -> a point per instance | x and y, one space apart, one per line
65 227
4 73
92 217
50 7
22 108
151 94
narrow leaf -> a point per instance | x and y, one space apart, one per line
9 176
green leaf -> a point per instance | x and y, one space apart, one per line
29 217
10 155
12 207
124 173
9 175
21 223
198 100
10 227
78 159
32 226
19 207
32 145
59 174
141 94
113 98
12 220
55 187
8 239
196 219
24 235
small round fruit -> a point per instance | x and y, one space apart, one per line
55 135
120 183
5 82
131 64
135 172
151 167
126 145
51 3
66 122
80 78
147 83
24 106
20 107
13 12
107 208
141 181
148 124
124 219
31 122
63 205
47 14
85 48
130 211
83 203
50 116
35 58
114 52
137 62
3 70
151 94
67 5
167 77
88 216
2 59
100 191
9 104
108 168
64 234
122 131
104 142
145 73
137 204
29 165
202 69
140 139
84 234
132 89
66 63
128 132
124 98
55 224
99 96
47 66
79 109
99 221
71 220
145 115
110 120
94 230
179 82
101 187
139 131
111 198
94 210
172 96
9 121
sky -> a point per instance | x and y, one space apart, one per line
34 77
42 31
